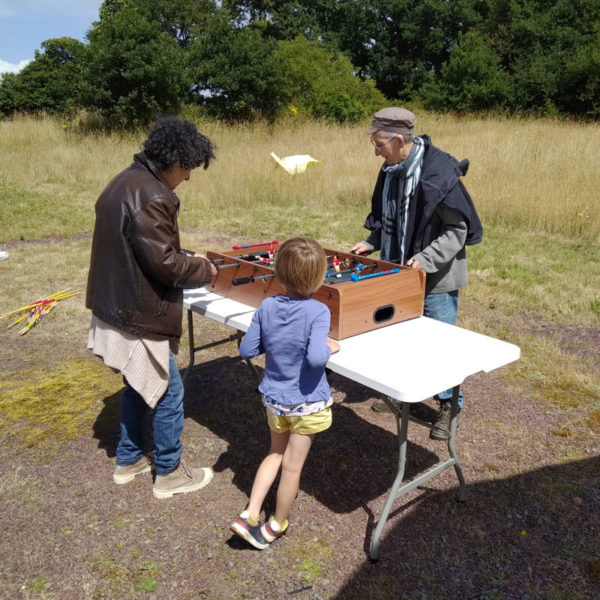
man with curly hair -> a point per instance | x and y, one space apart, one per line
135 290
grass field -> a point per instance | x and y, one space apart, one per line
534 183
534 281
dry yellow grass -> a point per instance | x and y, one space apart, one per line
534 183
536 175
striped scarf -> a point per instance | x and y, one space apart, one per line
399 186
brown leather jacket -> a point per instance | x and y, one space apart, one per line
137 270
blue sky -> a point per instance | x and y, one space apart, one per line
25 24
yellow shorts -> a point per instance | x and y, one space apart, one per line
306 424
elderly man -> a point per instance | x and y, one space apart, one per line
137 273
421 216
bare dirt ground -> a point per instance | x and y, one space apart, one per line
529 529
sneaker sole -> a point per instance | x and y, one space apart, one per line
271 538
245 534
121 479
208 477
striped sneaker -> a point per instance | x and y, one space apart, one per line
251 533
270 533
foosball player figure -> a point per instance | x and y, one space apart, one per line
271 252
336 265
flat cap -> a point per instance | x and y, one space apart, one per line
393 119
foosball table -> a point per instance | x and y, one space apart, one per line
361 293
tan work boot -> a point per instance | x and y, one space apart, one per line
181 481
126 474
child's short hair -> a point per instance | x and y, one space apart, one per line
300 265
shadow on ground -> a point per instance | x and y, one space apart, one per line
535 535
222 396
547 545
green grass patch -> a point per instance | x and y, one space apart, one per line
314 556
42 408
36 585
531 272
31 214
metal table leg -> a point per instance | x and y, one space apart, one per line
192 349
402 425
461 495
402 415
237 336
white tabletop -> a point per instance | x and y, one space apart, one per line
409 361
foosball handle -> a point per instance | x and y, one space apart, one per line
356 277
242 280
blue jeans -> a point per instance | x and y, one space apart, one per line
167 425
443 307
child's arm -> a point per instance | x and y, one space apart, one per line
251 345
318 350
333 345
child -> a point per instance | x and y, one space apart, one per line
292 330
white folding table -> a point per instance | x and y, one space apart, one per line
407 362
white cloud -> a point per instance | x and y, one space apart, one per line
6 67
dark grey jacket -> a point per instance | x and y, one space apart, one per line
442 220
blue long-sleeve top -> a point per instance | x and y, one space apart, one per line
292 333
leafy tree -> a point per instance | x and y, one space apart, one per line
395 42
322 83
135 71
50 82
7 93
179 19
236 72
550 47
471 80
582 76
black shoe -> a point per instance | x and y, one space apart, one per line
441 423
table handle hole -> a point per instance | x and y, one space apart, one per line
384 313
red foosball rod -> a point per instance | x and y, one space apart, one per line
241 247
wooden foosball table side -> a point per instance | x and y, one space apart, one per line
355 306
362 306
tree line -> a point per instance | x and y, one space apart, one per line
332 59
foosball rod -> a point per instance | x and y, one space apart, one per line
355 277
250 279
358 267
248 257
242 246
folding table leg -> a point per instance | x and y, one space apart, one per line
402 418
190 319
398 489
461 495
